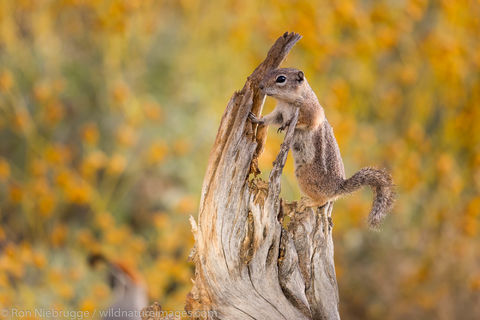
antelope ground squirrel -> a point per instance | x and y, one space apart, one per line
318 165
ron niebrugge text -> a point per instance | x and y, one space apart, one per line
19 313
44 314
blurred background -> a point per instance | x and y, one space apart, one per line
108 110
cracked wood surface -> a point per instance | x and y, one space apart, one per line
247 265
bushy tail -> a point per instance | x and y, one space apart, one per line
384 194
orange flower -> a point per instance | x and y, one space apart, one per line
408 74
88 305
78 192
157 152
90 133
117 164
53 112
115 236
475 283
120 93
104 220
21 120
39 260
100 291
59 235
57 154
445 163
4 169
126 136
153 111
46 204
187 205
15 193
64 178
161 220
181 146
38 167
65 290
86 239
92 162
41 92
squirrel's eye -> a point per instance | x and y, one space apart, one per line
281 79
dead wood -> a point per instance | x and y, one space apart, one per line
247 264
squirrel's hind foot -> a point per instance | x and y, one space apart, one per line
307 202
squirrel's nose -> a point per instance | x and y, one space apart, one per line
261 86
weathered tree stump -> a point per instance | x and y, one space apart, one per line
247 264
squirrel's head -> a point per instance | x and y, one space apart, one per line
285 84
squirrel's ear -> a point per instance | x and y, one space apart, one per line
300 76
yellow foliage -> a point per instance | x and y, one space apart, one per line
108 110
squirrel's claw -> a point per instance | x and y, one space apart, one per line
284 126
307 202
253 118
303 204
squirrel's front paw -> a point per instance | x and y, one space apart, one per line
254 118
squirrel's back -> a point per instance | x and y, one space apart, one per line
318 164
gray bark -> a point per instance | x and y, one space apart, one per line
249 263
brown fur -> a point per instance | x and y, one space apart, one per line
318 164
